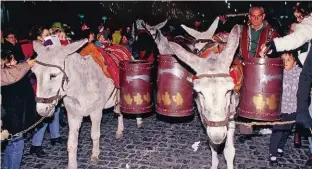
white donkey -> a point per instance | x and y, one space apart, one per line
161 41
63 73
201 36
216 101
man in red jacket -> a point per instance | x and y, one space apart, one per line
254 34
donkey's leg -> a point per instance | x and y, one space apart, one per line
214 158
96 118
229 149
120 127
74 123
139 121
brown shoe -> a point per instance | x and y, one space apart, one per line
297 140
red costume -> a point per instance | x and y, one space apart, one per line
267 34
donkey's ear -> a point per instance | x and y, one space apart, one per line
228 53
73 47
212 29
196 63
148 27
194 33
160 25
38 47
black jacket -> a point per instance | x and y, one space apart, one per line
304 93
16 50
18 100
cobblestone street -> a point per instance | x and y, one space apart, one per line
160 145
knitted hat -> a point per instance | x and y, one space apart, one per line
57 25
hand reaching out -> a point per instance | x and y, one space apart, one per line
222 18
31 62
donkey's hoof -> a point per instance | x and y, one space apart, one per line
72 167
94 160
119 135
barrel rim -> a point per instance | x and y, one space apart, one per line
263 60
136 62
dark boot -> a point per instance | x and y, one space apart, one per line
309 162
38 151
56 140
297 136
297 140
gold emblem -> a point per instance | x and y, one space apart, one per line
138 99
178 99
271 102
158 97
147 97
259 102
166 99
128 99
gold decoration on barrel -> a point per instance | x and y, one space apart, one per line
128 99
178 99
138 99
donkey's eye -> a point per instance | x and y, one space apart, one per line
228 92
52 76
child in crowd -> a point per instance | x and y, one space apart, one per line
43 35
280 133
63 39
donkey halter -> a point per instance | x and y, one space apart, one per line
56 97
228 118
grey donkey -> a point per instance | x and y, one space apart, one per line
63 73
159 38
216 100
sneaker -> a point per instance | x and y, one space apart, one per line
56 140
273 161
280 152
38 151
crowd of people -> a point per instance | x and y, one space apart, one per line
18 84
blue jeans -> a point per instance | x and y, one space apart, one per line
54 127
13 153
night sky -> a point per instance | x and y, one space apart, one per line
26 14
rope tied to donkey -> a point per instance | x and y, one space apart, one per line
266 123
5 135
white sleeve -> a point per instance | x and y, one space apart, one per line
301 35
302 56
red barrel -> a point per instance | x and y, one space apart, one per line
174 92
260 95
135 87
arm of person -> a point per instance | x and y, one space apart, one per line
303 94
15 73
273 54
301 35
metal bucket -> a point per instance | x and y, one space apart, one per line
174 92
260 95
135 87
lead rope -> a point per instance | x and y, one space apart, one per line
5 135
266 123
